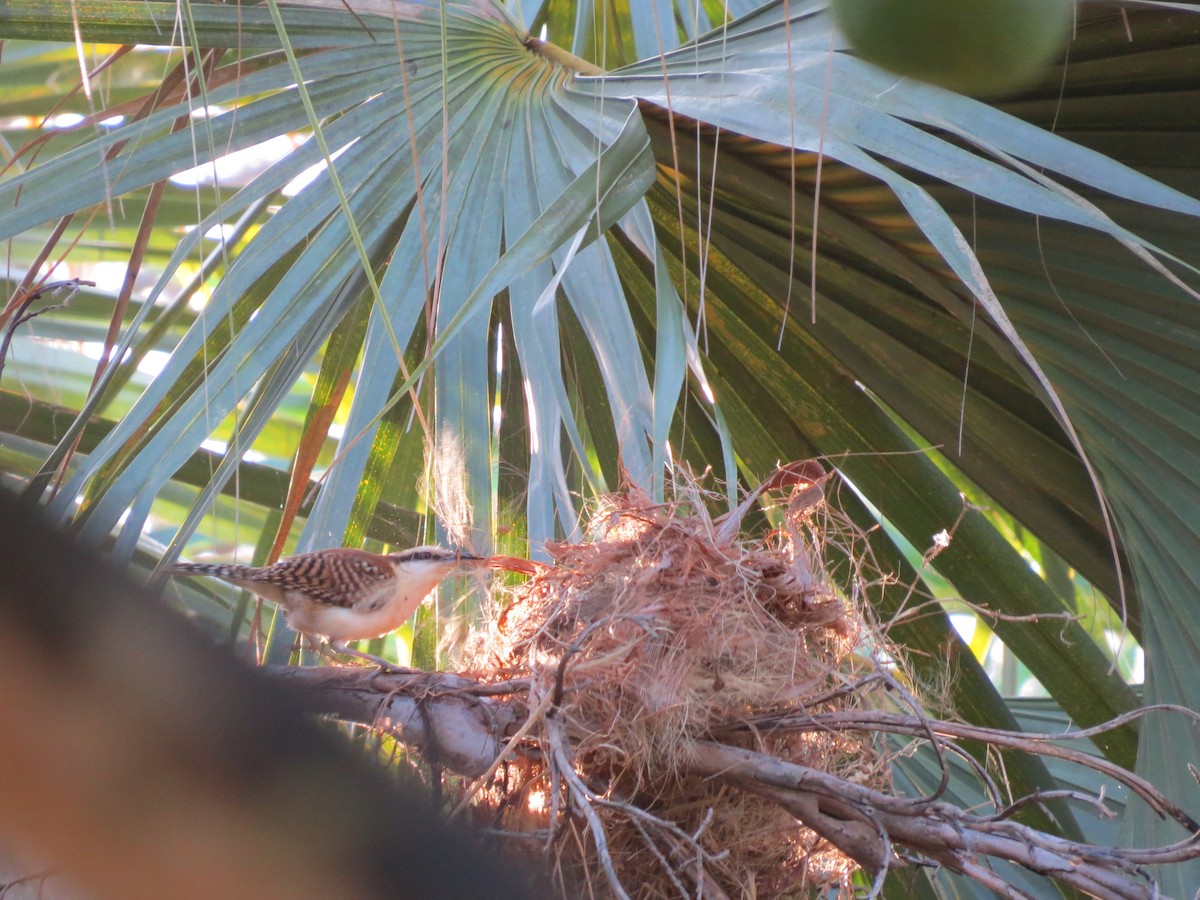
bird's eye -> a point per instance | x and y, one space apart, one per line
424 554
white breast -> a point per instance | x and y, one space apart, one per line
340 623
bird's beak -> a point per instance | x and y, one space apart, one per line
465 556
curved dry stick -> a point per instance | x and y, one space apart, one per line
867 720
422 709
943 832
868 825
534 717
1007 812
21 313
667 868
582 797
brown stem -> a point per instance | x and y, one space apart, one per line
952 837
436 712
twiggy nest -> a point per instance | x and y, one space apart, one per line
664 628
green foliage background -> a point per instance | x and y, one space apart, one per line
749 246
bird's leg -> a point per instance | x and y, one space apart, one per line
385 667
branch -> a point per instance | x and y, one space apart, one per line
451 720
939 831
877 721
464 725
21 314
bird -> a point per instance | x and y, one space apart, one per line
342 593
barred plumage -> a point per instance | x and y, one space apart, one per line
342 593
338 577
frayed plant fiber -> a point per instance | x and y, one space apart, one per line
665 627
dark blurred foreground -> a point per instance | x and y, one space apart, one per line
144 762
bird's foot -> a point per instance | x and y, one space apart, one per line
385 667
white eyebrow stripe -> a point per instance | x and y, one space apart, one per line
433 554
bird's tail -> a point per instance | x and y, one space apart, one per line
216 570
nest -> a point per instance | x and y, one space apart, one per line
666 628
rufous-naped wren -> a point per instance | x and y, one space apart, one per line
343 594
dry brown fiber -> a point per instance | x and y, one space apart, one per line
662 628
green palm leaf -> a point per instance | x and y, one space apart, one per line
975 299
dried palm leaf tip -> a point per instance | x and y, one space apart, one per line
664 628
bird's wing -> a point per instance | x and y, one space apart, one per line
338 577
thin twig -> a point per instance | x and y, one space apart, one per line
667 868
1038 744
945 833
582 798
21 307
534 718
26 879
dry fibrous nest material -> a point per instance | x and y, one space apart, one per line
665 628
689 705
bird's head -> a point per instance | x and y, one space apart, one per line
430 563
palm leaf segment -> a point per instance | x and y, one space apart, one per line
468 162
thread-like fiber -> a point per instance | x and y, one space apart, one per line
653 634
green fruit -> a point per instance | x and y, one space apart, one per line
970 46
